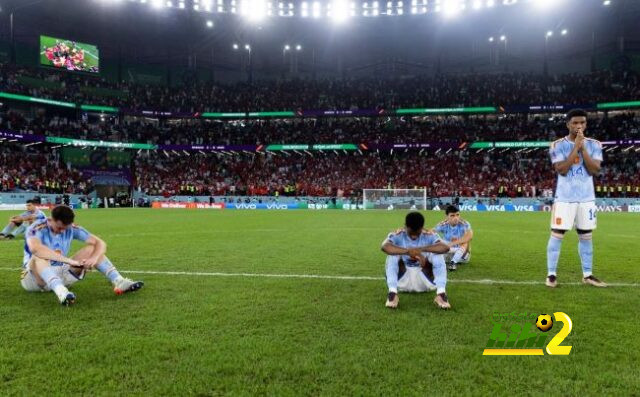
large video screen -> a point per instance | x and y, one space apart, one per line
69 55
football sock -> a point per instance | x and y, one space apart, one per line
49 276
7 229
458 255
20 229
392 268
553 253
439 273
585 250
106 267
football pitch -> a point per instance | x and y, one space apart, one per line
231 305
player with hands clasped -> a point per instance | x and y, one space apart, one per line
575 159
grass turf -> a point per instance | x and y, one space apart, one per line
207 335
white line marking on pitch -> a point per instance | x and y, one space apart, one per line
332 277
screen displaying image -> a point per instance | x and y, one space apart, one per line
69 55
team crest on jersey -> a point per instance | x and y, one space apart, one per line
558 221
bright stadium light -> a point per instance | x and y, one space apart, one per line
316 9
157 4
253 10
503 38
304 9
287 47
209 23
235 46
545 4
606 2
247 47
564 32
339 10
491 39
477 4
491 3
298 47
549 33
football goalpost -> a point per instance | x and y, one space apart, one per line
389 199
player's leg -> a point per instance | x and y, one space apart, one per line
19 230
394 270
41 276
6 232
458 256
440 279
562 219
585 224
120 284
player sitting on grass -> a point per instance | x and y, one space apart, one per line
18 224
46 266
415 262
457 234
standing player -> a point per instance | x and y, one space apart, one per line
576 159
46 266
18 224
457 234
415 262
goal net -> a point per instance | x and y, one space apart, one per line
389 199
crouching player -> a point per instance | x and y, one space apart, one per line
415 262
457 234
18 224
46 266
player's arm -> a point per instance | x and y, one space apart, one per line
562 167
43 252
592 165
439 247
99 249
391 249
466 237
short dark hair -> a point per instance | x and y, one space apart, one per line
63 214
451 209
576 113
31 201
414 221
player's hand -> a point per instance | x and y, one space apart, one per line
421 260
414 252
580 140
74 263
89 263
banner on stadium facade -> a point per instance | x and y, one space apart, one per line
187 205
261 206
112 177
345 112
547 108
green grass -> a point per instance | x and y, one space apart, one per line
211 335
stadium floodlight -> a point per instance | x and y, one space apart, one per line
606 2
304 9
247 47
491 39
503 38
157 4
316 9
235 46
298 47
253 10
209 23
564 32
549 33
287 47
477 4
491 3
339 10
375 10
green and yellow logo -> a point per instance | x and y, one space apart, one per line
523 338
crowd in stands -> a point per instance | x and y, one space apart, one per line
434 91
468 173
39 170
324 130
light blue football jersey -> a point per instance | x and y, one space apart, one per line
402 239
39 215
577 185
452 232
60 242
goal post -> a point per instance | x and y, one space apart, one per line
394 199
